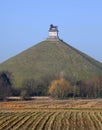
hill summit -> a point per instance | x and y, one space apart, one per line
52 58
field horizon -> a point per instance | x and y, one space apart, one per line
47 103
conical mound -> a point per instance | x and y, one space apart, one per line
52 58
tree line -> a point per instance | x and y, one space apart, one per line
59 88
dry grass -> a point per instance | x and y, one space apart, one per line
50 104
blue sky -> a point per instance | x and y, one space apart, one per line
24 23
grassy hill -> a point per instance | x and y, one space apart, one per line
52 58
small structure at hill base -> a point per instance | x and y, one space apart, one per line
53 33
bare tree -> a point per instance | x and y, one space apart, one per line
60 88
28 87
5 84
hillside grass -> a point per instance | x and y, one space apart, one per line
50 59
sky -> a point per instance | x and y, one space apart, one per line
24 23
